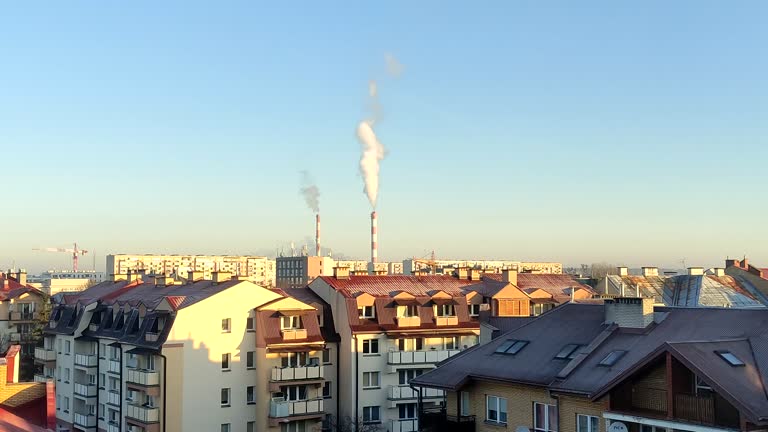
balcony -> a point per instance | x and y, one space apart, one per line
294 334
297 373
708 410
413 321
86 360
85 390
409 425
113 366
401 392
43 378
85 420
436 420
113 398
142 413
419 357
143 377
25 316
446 320
45 354
281 408
113 427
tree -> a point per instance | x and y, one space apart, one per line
602 269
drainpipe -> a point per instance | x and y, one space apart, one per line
419 404
557 405
357 386
338 386
122 362
165 387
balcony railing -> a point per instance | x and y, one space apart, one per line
409 425
143 377
151 337
418 357
85 420
86 360
294 334
87 390
25 316
446 320
297 373
436 420
45 354
113 427
113 398
649 399
399 392
43 378
142 413
280 408
413 321
113 366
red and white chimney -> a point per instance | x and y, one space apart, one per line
317 235
374 241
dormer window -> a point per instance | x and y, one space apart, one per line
407 311
474 310
290 322
445 310
119 321
366 312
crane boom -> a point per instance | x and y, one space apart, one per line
74 251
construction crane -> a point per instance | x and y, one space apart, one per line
431 263
75 251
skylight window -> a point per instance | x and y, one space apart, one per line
730 358
612 358
511 346
568 352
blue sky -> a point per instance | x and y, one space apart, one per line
632 133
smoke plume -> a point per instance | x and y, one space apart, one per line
373 151
310 191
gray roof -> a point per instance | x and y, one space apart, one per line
687 290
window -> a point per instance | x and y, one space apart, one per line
250 362
226 325
474 310
290 322
568 352
327 389
294 393
371 346
370 380
406 411
326 356
539 309
294 359
294 426
130 395
103 350
91 379
225 362
701 388
149 401
406 375
101 411
250 426
371 414
249 324
587 423
366 312
445 310
66 404
496 409
150 366
451 343
612 358
408 311
544 417
67 346
730 358
102 380
511 346
66 375
465 403
225 401
250 395
226 427
411 344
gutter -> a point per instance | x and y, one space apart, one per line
165 387
338 386
357 386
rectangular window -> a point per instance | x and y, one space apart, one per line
297 359
371 414
226 427
445 310
225 362
226 325
149 401
496 409
544 417
371 346
250 426
66 374
102 380
250 359
250 395
451 343
370 380
225 401
587 423
474 310
294 393
327 356
290 322
67 347
406 375
327 389
103 350
101 411
408 311
410 344
366 312
249 324
465 403
406 411
511 346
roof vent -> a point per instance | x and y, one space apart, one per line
629 312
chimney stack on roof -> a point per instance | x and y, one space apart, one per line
623 271
629 312
718 271
474 274
194 276
462 272
650 271
695 271
163 281
221 276
341 272
19 276
509 276
116 277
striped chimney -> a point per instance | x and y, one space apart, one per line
374 241
317 235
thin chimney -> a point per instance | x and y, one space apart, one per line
317 235
374 241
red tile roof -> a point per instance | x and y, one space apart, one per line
10 288
557 285
388 286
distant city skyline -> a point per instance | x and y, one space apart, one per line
633 134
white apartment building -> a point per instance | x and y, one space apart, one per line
488 266
392 329
133 356
258 269
55 281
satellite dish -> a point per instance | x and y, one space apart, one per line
617 427
522 429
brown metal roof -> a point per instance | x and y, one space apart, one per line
390 285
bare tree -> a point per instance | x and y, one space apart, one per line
602 269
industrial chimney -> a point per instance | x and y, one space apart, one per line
374 242
317 235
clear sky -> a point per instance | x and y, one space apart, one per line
627 132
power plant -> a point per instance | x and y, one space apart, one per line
374 241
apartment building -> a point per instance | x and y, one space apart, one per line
298 271
624 365
411 266
55 281
392 329
258 269
129 355
20 307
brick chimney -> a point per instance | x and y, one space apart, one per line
474 274
462 273
629 312
509 276
19 276
650 271
341 272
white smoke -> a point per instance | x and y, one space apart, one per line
310 191
372 150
